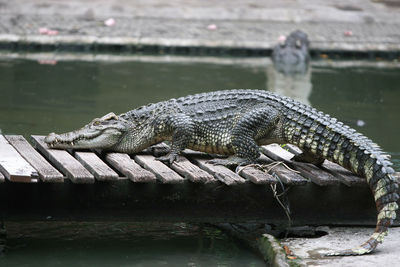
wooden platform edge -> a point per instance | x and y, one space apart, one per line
13 166
47 172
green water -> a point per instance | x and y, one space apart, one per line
122 244
38 99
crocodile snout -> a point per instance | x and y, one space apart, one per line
51 138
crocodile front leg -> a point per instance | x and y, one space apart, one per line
180 127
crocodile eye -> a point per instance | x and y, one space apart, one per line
96 123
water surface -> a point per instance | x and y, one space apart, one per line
41 98
122 244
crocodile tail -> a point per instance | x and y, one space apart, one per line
386 206
370 162
323 136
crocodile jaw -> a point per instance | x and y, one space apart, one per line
84 138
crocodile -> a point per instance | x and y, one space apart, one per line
236 123
290 56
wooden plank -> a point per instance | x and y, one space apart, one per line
256 176
251 174
308 170
341 174
64 162
192 172
183 166
315 174
127 166
47 172
276 152
162 172
286 175
14 167
295 150
96 166
344 176
221 173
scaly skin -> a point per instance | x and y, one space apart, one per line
235 123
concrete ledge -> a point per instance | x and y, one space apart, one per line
250 26
272 251
310 249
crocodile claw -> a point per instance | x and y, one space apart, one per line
169 158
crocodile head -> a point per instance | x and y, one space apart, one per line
291 55
103 133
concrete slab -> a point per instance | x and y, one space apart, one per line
337 25
341 238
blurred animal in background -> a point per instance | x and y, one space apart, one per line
291 55
290 74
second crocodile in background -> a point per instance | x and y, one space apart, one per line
235 123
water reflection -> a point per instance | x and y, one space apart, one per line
296 86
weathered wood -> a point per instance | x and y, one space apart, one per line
162 172
132 170
47 172
282 171
14 167
276 152
183 166
315 174
344 176
96 166
64 162
124 200
256 176
221 173
250 173
341 174
329 173
295 150
308 170
287 176
192 172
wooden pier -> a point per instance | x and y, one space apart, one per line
37 182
